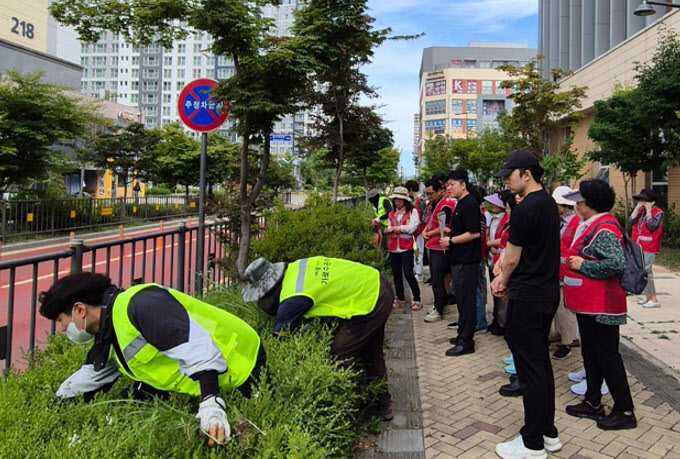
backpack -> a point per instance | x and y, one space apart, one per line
633 279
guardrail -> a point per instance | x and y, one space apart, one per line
166 258
21 218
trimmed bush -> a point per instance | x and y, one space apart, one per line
320 228
305 409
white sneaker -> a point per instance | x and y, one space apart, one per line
578 376
582 387
419 278
433 316
515 449
552 444
642 301
651 304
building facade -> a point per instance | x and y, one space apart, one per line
613 66
152 77
460 91
31 41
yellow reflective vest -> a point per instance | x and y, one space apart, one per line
339 288
237 340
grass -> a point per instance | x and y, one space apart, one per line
669 257
306 407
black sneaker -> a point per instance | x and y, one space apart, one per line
617 421
586 410
562 352
452 325
496 329
428 281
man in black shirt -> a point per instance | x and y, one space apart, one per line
465 253
529 276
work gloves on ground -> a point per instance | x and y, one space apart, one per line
213 420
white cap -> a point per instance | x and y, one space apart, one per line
558 196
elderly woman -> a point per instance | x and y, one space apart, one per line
592 291
403 222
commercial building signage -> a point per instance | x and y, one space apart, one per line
24 22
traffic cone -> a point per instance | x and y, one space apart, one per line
121 232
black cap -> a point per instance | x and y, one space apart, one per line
520 159
645 195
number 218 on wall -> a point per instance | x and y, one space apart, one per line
23 28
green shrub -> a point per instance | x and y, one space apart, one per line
304 410
319 228
158 190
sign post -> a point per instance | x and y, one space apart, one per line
200 112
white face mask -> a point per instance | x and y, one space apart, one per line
78 336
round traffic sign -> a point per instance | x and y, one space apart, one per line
198 110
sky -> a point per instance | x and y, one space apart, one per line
395 67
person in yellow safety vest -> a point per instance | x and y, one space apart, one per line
163 339
382 206
329 287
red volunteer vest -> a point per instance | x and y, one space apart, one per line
648 240
399 241
433 223
421 226
585 295
565 242
499 235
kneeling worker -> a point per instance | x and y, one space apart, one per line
329 287
166 340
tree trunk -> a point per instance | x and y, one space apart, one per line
341 158
244 237
365 181
626 179
186 190
82 181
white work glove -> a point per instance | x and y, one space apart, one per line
213 420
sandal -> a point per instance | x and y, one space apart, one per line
416 306
398 304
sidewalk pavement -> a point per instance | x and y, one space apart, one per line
464 416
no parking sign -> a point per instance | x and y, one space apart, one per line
198 110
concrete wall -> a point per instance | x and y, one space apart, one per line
56 71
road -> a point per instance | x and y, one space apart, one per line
152 260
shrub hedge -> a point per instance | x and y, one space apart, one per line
319 228
305 409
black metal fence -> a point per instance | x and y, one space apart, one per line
21 218
166 258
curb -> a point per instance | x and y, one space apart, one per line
402 438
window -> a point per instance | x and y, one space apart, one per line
150 73
134 98
484 64
499 90
151 99
166 111
222 60
135 73
603 173
150 110
471 106
150 122
84 49
150 86
469 64
113 85
151 60
135 60
100 48
197 73
86 73
198 35
167 73
181 61
99 73
181 73
167 98
456 106
167 60
99 60
113 73
84 61
98 84
197 47
487 87
180 85
114 60
435 107
84 85
457 125
153 48
114 48
471 87
181 48
435 88
167 86
435 125
471 125
135 86
210 61
492 107
197 60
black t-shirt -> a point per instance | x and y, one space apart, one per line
466 219
535 226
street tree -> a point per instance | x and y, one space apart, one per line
542 107
37 119
269 71
340 36
119 149
621 132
